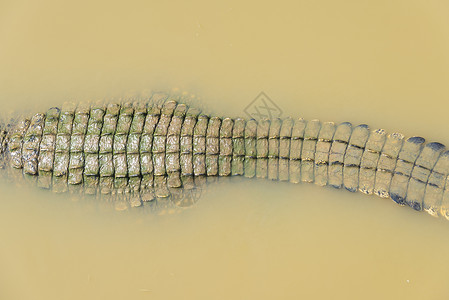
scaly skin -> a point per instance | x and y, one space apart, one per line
160 148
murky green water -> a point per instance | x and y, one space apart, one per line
384 63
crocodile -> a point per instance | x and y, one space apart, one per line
163 148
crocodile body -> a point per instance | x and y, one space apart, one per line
151 149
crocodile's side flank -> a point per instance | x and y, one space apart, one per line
160 144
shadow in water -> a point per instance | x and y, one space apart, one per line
154 194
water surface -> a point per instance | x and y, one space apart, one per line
384 63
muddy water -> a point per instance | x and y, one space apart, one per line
382 63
